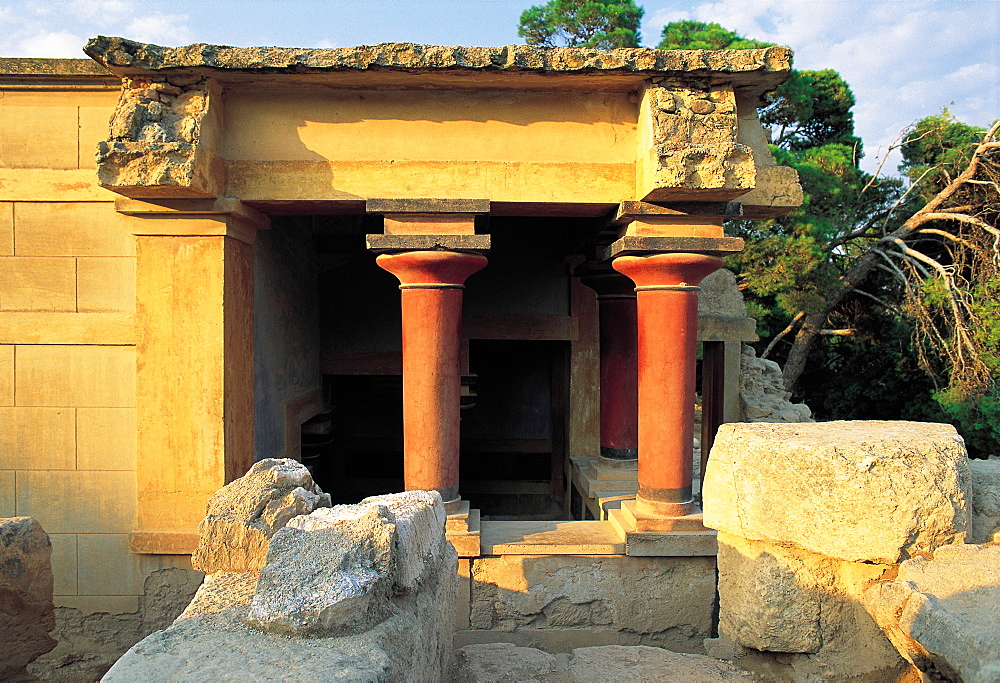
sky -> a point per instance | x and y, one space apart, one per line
904 59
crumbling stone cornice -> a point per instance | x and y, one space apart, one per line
761 69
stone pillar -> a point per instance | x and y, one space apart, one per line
667 307
194 371
431 284
619 366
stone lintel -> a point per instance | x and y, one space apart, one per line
428 205
388 243
630 210
639 245
430 224
226 206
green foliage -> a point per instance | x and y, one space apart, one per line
695 35
603 24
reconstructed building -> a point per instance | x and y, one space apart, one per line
205 292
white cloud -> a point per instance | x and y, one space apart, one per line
51 44
164 29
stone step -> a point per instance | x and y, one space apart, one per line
551 538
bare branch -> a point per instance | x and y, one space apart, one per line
778 337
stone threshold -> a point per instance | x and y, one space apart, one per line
591 538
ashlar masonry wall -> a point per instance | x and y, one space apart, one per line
67 350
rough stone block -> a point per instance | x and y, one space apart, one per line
26 612
856 491
105 438
37 439
243 516
943 613
93 128
985 501
719 296
105 284
762 394
37 283
668 601
328 573
805 608
419 517
89 502
72 229
87 376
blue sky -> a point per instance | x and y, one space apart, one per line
904 59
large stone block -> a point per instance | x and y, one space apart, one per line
329 573
37 136
26 611
943 613
6 493
6 375
985 501
798 615
98 376
667 603
105 284
762 393
37 439
88 502
6 228
243 516
419 517
855 491
72 229
29 283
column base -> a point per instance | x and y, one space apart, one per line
684 516
462 528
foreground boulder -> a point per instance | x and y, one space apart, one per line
985 501
26 611
943 613
354 593
809 515
244 515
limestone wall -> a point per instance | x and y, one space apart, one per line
67 374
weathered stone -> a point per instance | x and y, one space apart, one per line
762 392
796 615
985 501
213 640
245 514
419 542
719 296
329 573
767 67
943 613
501 662
26 611
668 601
856 491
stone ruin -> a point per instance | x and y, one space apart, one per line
842 555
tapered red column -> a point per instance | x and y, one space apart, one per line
667 311
431 284
619 367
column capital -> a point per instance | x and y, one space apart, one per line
667 270
426 269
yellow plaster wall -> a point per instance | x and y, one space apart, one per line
67 348
509 146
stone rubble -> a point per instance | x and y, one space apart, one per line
985 501
244 515
762 392
348 593
26 611
943 613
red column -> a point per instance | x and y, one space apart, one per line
431 284
667 308
619 368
